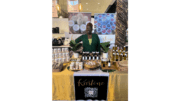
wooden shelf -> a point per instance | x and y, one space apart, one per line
64 46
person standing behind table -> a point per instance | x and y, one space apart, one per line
90 40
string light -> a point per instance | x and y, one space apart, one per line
58 8
80 7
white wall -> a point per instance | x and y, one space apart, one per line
63 25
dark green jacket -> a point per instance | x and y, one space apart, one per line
95 45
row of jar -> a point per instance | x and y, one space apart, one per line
76 66
60 60
60 55
60 50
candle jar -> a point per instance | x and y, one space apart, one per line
55 51
59 50
56 55
77 65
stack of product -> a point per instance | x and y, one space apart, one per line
119 54
76 65
90 56
60 55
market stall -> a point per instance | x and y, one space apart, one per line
88 61
109 69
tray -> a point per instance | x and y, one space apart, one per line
92 68
113 66
88 67
73 70
56 70
122 65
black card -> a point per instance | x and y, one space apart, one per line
91 87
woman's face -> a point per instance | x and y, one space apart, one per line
88 29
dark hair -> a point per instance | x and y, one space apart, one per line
90 24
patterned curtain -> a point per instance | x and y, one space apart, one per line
121 22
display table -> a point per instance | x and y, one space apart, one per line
63 84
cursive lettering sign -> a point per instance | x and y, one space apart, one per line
89 83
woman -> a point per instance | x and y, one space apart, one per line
90 41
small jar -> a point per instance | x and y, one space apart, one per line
56 55
59 50
60 60
55 51
77 66
80 65
53 56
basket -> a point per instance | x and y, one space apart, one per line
91 67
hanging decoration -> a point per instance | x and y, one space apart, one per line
58 8
121 22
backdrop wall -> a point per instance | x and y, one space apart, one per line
63 25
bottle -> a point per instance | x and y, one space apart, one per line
114 56
115 47
117 51
80 65
124 48
93 53
85 53
109 63
121 49
124 53
97 57
83 56
117 56
120 52
121 57
89 56
113 51
125 57
103 62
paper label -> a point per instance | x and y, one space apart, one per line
109 64
55 50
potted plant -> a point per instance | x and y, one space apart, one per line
105 48
75 47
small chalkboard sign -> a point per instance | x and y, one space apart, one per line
91 87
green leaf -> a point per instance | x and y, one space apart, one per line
105 46
72 43
75 46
